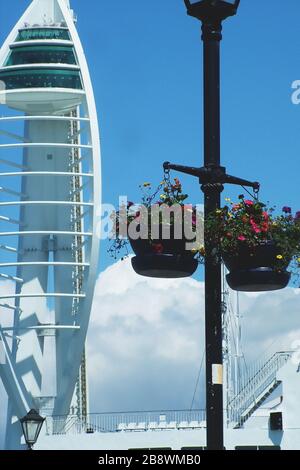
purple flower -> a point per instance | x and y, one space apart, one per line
287 210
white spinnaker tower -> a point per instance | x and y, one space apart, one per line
50 202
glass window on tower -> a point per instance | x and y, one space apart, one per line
41 55
41 78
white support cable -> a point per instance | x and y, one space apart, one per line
45 144
12 192
14 136
46 173
12 278
13 164
42 327
11 307
12 221
43 263
43 117
16 337
45 232
42 295
8 248
45 203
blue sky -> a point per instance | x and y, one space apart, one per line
146 64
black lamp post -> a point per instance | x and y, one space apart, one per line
212 176
31 425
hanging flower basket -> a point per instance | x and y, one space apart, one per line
256 269
164 258
256 246
156 231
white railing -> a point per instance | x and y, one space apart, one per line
128 421
255 385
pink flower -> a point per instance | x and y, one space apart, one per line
254 226
248 202
265 215
241 238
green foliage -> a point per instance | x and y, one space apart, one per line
169 199
251 223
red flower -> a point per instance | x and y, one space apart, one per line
265 215
241 238
157 248
248 202
254 226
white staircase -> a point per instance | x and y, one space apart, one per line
256 387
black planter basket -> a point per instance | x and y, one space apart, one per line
255 270
173 262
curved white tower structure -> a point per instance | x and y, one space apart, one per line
50 198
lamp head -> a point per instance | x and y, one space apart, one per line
212 10
31 425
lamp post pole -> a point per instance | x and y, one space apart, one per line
211 36
212 176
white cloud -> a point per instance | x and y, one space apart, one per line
146 337
145 340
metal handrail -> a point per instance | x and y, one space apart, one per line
255 385
132 421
